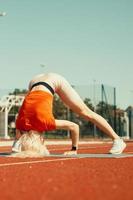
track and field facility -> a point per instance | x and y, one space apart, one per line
92 174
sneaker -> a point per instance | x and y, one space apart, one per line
118 146
16 147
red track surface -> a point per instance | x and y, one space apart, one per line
67 178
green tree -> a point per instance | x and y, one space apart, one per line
18 91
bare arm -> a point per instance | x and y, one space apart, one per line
74 129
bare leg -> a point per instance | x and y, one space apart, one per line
71 98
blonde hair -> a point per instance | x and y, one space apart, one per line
32 145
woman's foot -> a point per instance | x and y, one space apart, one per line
118 146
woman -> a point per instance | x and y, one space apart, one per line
35 115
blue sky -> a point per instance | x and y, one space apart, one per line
83 40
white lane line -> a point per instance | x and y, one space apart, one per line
36 161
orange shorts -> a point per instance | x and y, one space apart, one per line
36 112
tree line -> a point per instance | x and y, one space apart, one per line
87 129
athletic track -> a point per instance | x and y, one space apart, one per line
59 178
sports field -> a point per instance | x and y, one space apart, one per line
93 174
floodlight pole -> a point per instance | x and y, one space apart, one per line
94 102
115 109
6 123
2 14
